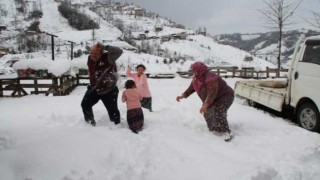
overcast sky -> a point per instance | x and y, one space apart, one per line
223 16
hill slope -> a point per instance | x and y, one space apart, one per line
265 45
119 26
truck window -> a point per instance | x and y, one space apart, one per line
312 52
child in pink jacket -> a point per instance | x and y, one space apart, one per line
132 97
142 85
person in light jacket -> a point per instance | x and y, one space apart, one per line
142 85
216 97
132 97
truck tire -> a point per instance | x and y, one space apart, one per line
308 117
252 103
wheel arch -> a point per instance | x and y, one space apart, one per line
302 101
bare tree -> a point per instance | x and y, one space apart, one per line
278 15
315 21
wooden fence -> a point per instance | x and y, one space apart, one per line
58 86
235 72
61 86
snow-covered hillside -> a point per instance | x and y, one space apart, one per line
265 45
194 47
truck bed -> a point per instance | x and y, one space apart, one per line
266 92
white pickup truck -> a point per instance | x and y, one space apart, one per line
297 96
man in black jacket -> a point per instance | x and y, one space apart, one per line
103 78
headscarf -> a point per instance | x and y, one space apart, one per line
201 75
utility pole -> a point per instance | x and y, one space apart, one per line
71 48
52 43
40 5
93 35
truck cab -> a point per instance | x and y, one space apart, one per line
304 83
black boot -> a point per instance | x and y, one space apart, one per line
91 122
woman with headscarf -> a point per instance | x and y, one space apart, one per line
216 97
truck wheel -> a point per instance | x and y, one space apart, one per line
251 103
308 117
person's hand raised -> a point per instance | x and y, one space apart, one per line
179 97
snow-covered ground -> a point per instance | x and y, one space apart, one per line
45 137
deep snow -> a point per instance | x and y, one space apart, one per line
45 137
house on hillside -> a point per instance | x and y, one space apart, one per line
4 50
183 35
138 35
32 33
180 26
158 26
248 58
129 10
118 6
202 33
3 28
165 38
160 52
142 36
175 36
138 12
88 4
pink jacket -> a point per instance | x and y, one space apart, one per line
141 83
132 97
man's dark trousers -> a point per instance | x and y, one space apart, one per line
110 101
